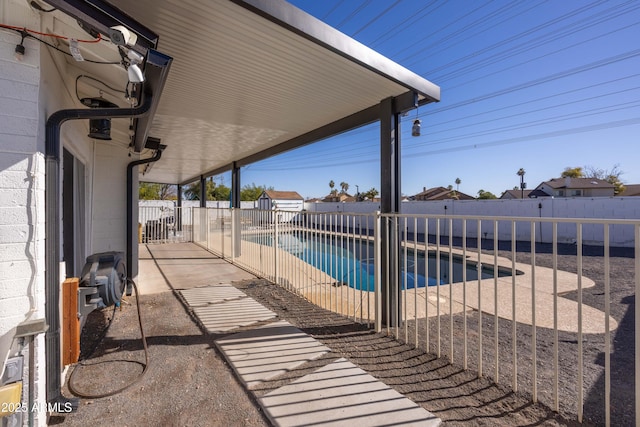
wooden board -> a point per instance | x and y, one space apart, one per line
70 321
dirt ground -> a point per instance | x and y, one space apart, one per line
188 383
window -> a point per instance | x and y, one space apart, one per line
73 214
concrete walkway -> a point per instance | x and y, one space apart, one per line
337 394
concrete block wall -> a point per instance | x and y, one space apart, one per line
578 207
21 190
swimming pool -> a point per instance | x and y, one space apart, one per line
350 262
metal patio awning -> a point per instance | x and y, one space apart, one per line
252 78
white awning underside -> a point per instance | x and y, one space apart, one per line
250 75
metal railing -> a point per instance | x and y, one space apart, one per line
505 297
163 224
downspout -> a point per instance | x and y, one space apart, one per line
130 167
52 231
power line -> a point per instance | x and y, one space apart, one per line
475 25
380 15
326 15
543 121
528 46
556 76
393 28
546 135
534 137
353 14
515 37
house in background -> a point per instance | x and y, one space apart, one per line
338 198
630 190
577 187
440 193
281 200
516 194
287 203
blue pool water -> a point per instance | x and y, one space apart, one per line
351 263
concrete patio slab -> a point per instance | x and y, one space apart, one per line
150 278
341 394
271 350
211 294
229 315
185 266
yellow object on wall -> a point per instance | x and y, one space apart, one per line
10 395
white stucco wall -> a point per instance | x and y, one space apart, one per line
31 90
21 191
109 197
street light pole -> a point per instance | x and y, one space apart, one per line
523 185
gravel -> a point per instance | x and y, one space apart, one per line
188 382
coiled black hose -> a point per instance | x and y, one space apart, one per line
73 389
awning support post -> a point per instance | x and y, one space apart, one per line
235 212
390 198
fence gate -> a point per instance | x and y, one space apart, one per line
164 224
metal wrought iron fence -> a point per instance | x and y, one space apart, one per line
530 302
164 224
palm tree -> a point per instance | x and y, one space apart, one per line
458 181
331 185
344 186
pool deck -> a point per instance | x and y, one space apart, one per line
508 297
264 347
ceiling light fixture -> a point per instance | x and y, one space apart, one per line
415 129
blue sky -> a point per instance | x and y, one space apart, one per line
539 85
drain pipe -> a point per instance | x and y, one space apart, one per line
158 147
52 233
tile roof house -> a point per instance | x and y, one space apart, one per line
440 193
577 187
338 197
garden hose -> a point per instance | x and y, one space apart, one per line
86 395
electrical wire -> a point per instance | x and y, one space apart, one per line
326 15
505 41
354 13
27 33
542 40
99 81
378 16
400 27
551 77
441 43
473 146
411 147
86 395
55 36
434 32
356 146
